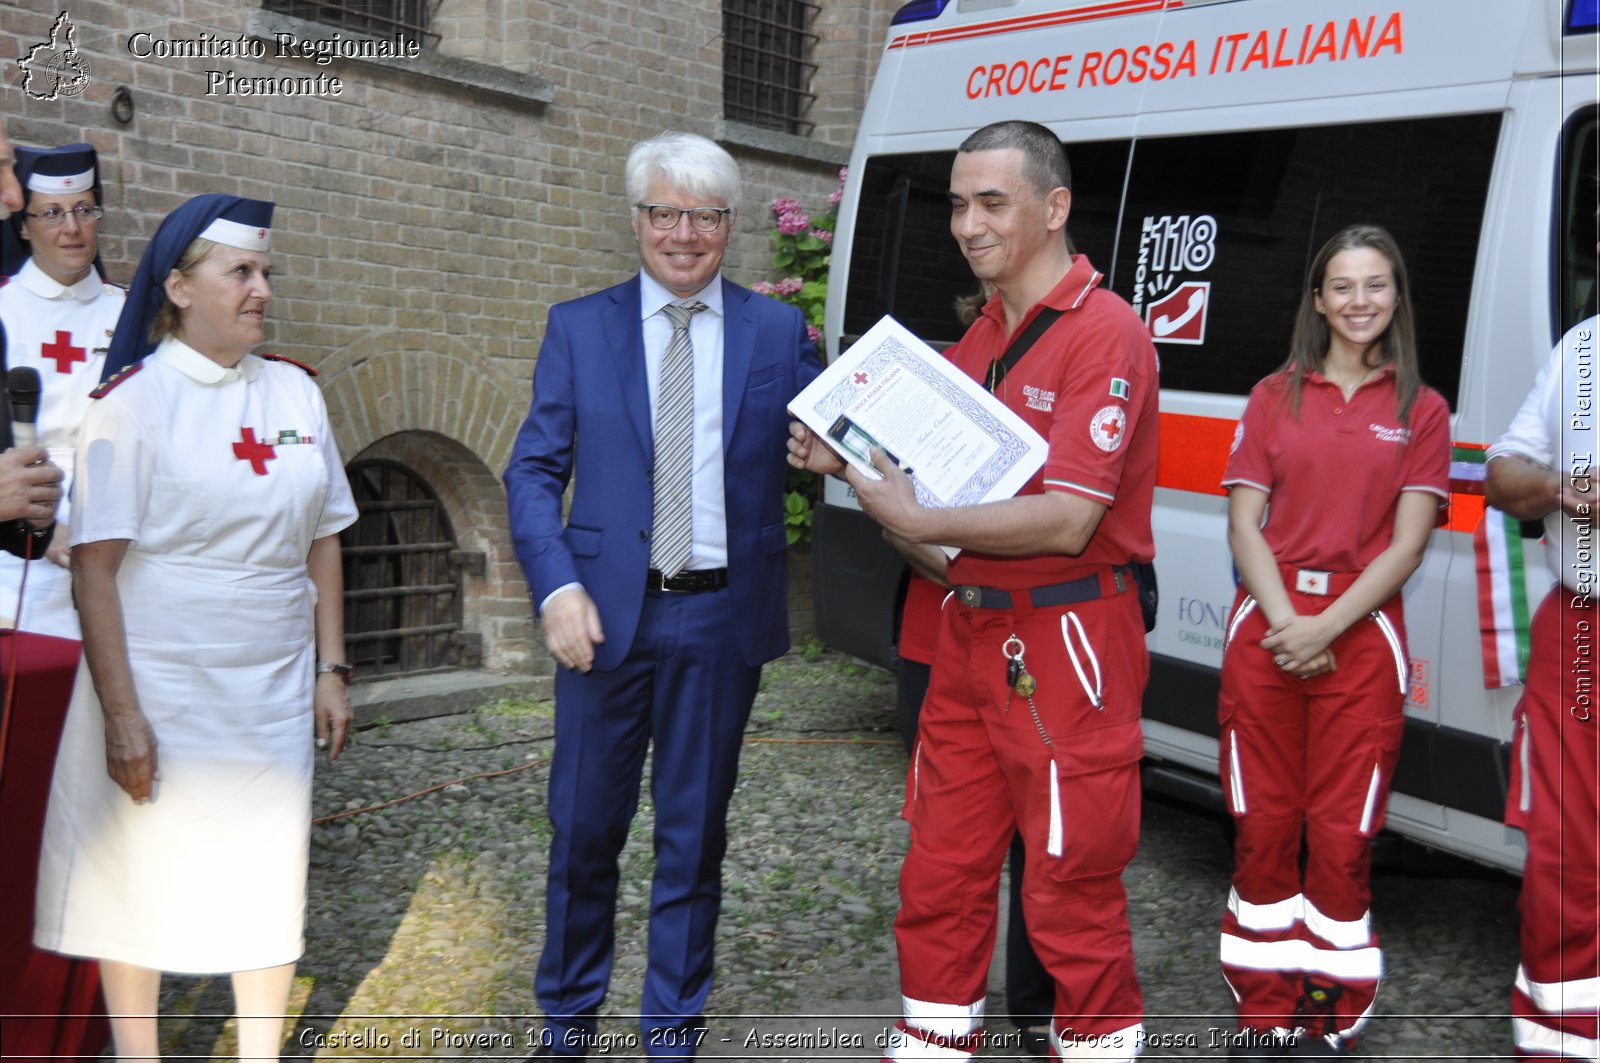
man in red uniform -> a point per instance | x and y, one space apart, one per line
1049 745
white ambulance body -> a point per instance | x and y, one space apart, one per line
1215 145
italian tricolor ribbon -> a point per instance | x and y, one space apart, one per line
1503 611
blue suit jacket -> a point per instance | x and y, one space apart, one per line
590 422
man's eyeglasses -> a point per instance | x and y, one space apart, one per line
50 217
701 219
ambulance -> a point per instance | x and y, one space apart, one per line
1214 145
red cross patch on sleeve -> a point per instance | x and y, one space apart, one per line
1107 427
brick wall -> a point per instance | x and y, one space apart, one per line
432 211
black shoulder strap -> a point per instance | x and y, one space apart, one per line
1019 347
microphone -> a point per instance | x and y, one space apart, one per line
22 385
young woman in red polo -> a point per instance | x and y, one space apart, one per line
1339 467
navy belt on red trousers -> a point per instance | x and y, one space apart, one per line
1084 589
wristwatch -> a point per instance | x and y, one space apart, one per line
343 671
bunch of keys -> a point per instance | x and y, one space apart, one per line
1017 677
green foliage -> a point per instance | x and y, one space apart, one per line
800 491
802 246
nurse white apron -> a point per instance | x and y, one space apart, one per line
210 875
48 608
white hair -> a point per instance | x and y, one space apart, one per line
689 162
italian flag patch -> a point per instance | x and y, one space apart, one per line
1119 388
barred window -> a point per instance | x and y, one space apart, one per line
402 576
373 18
766 63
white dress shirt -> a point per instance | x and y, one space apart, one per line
710 548
710 521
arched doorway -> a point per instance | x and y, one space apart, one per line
403 576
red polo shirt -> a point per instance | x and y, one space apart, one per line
1336 472
1089 387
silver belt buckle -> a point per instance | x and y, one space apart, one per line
1311 581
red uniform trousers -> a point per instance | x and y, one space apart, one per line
983 768
1316 755
1555 768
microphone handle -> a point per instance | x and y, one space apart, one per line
24 433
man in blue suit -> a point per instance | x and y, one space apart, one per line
665 590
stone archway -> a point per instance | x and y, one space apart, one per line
441 410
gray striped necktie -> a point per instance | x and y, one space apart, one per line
673 539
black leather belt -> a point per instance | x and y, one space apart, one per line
1086 589
687 582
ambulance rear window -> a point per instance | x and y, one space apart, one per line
903 260
1215 236
1219 230
1578 294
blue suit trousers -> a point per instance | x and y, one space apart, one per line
685 687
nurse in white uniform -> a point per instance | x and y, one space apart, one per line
208 502
58 313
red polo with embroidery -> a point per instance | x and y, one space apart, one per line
1089 387
1336 471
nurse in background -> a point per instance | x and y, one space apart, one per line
58 313
28 491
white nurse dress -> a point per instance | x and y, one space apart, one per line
62 331
221 479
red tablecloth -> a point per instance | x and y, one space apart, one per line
49 1005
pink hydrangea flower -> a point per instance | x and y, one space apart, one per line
822 234
791 223
815 333
765 287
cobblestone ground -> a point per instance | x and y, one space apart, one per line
425 917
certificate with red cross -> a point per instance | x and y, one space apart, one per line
893 392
